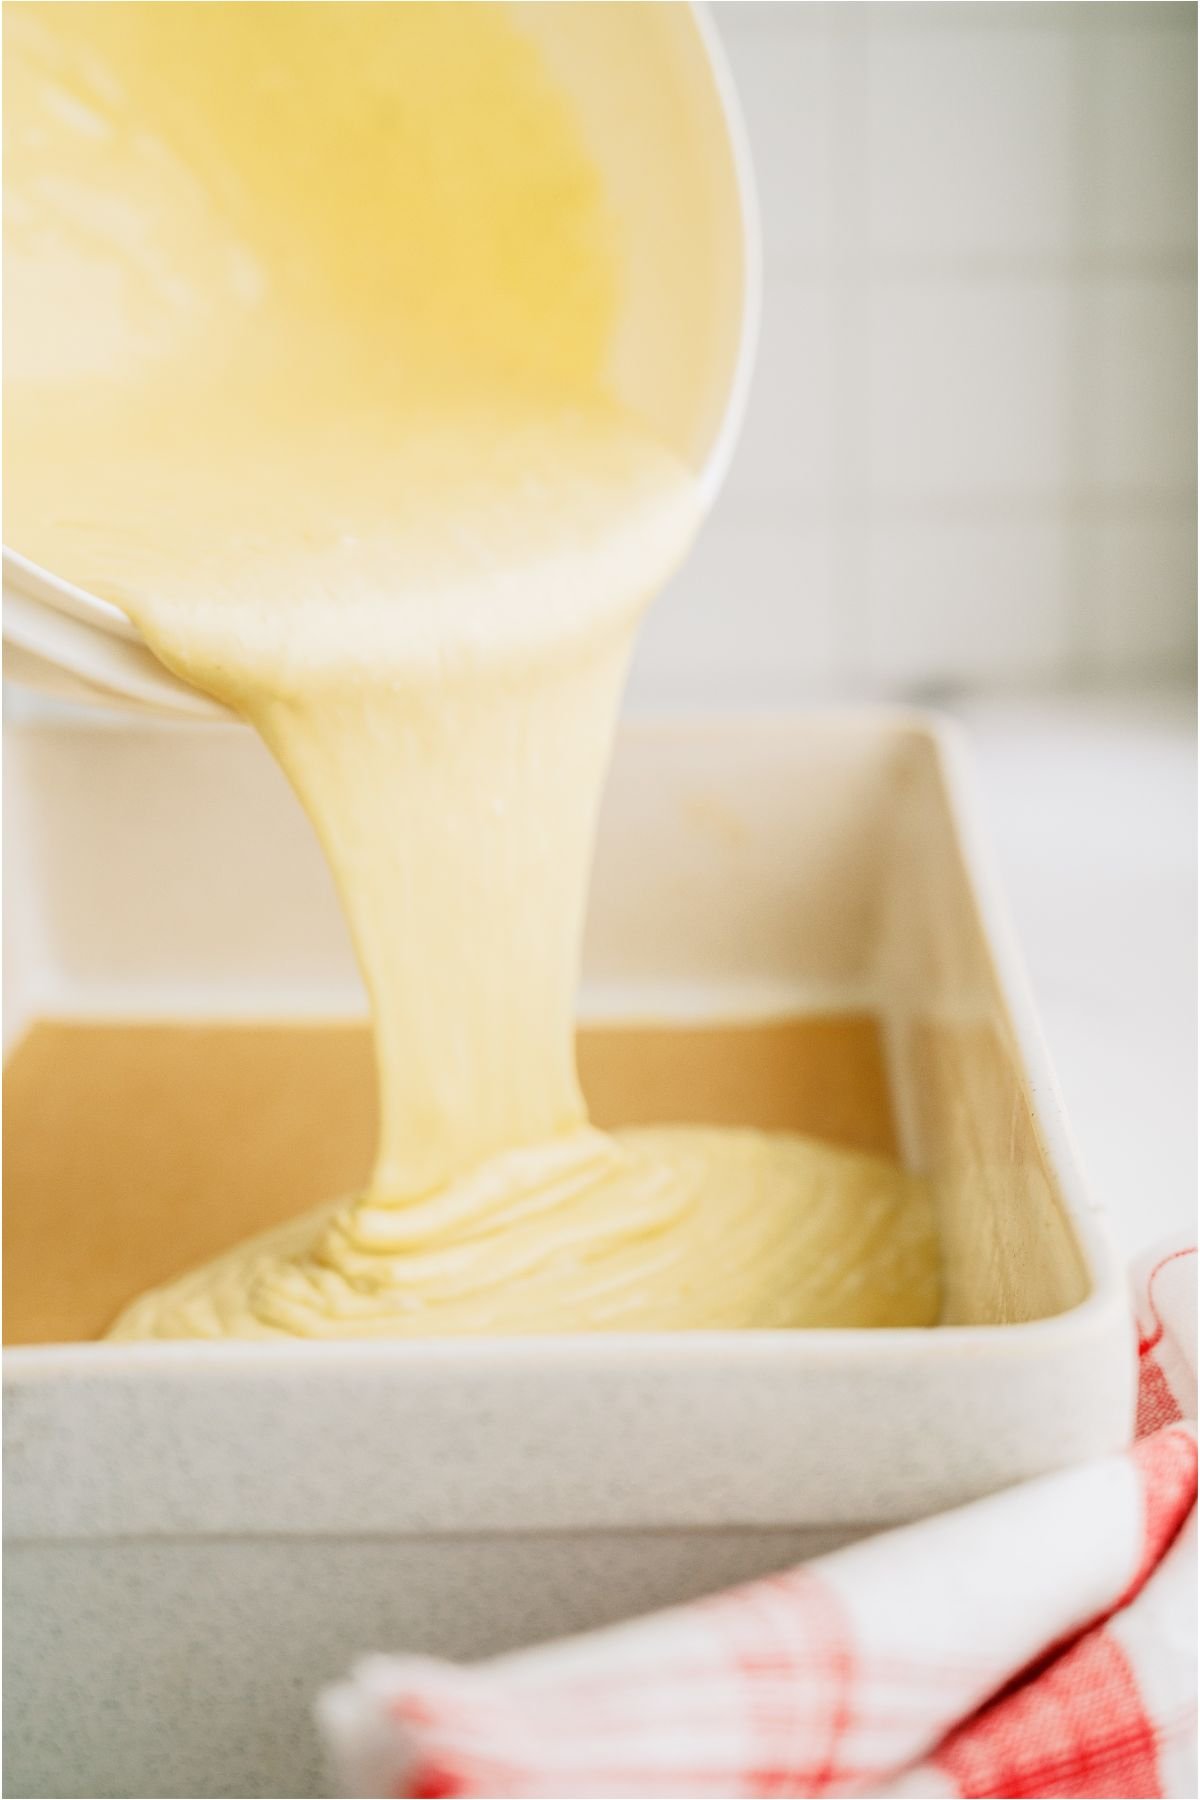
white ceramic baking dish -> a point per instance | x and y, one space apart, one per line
200 1535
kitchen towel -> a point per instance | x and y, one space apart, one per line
1039 1642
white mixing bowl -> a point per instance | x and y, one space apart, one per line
678 176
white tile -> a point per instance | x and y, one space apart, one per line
969 387
1145 105
1140 15
1143 391
966 603
969 138
783 77
786 446
1142 596
748 620
737 19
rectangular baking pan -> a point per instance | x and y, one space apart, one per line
198 1535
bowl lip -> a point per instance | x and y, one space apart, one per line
720 452
39 584
1105 1309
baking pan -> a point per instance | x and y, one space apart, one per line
198 1535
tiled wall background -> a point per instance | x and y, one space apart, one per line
969 458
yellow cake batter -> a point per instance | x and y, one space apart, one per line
309 309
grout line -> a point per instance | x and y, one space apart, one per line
851 385
1083 372
749 503
777 18
969 266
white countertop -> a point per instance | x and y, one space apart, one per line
1090 806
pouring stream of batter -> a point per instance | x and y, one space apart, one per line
309 313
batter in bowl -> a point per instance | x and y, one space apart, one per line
309 309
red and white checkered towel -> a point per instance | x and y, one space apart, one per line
1039 1642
